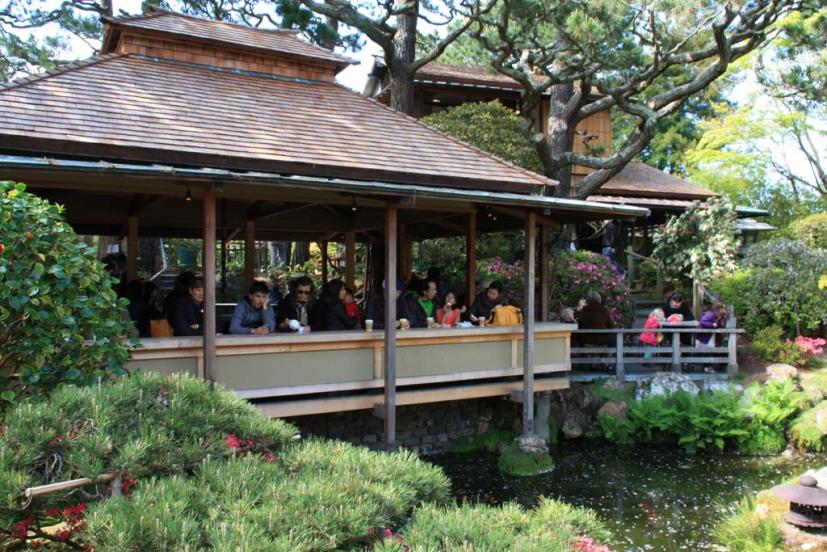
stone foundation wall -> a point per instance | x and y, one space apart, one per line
424 428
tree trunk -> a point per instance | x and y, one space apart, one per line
404 54
560 136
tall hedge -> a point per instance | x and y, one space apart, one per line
60 320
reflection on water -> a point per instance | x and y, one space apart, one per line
651 498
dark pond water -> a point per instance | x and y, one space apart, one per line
651 498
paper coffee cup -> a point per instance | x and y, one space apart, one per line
430 322
369 325
483 321
403 323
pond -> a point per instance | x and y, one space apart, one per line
651 498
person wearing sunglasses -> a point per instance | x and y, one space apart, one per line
295 308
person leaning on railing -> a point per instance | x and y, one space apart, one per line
331 312
490 298
253 314
295 308
595 316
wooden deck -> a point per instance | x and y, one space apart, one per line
300 374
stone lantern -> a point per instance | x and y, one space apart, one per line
808 502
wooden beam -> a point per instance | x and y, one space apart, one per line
391 218
350 260
249 252
528 324
544 275
517 214
131 247
471 258
209 283
325 260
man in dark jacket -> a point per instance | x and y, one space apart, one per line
595 316
375 309
485 302
253 314
295 308
188 315
420 306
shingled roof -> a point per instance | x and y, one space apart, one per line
637 179
137 108
274 41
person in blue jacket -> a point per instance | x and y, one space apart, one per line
253 315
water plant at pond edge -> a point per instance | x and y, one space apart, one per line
747 530
752 422
515 461
551 527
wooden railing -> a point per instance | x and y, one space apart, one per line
674 354
631 257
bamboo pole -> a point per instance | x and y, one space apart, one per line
41 490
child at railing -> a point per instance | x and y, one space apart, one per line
652 339
449 314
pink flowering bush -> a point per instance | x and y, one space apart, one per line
588 544
510 274
573 275
813 346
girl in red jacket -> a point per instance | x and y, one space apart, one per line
652 339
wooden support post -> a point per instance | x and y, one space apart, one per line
697 299
391 211
544 274
528 323
620 368
471 258
209 283
249 253
676 352
350 260
404 253
131 247
732 345
325 261
630 267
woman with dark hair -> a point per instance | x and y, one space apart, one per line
332 314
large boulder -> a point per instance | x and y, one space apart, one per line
615 409
781 372
572 429
664 383
715 386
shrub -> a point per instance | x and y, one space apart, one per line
747 531
492 127
783 287
552 527
510 274
770 345
61 319
701 242
578 273
769 409
811 229
513 461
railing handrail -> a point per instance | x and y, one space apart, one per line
633 253
659 330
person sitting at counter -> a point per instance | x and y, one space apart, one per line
485 302
331 311
253 315
449 314
595 316
188 312
420 306
375 309
295 308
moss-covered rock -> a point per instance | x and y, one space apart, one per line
809 430
515 461
491 440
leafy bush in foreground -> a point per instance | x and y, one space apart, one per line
747 531
769 344
61 320
552 527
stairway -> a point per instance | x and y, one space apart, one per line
643 305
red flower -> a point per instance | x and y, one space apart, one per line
20 529
269 457
52 512
232 441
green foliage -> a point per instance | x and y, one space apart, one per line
747 531
811 229
61 319
316 496
809 430
492 127
489 440
601 391
577 273
552 527
770 345
513 461
700 243
752 424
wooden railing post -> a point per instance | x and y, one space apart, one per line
676 352
732 347
620 370
630 262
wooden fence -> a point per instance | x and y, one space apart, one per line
628 352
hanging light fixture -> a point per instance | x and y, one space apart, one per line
353 206
188 196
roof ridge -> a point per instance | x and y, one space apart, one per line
59 70
541 179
